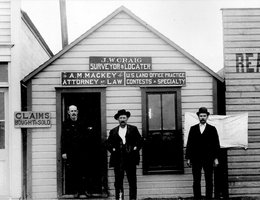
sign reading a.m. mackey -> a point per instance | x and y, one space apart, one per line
123 78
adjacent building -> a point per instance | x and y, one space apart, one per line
241 29
22 49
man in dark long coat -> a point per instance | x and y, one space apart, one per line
202 152
124 143
76 151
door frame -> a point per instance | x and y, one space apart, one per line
59 92
4 153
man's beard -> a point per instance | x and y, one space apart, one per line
202 121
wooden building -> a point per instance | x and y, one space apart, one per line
242 77
121 62
22 49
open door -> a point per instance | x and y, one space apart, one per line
89 106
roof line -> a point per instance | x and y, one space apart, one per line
35 32
120 9
176 46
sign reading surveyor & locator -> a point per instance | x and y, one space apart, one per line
120 63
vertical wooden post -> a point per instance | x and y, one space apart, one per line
63 18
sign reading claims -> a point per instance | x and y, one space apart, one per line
31 119
121 71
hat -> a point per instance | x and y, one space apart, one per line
203 110
122 112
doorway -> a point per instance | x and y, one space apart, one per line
89 104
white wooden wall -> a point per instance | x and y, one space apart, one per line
242 35
121 36
5 30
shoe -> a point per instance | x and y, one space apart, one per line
76 195
87 194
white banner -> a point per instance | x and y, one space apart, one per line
232 129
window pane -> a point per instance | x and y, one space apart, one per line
3 72
2 135
2 123
2 106
154 112
169 117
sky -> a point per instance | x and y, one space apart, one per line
194 25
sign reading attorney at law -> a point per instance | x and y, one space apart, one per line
123 78
30 119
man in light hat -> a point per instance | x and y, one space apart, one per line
124 143
202 152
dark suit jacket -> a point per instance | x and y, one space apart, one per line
114 141
202 147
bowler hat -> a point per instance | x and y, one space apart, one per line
203 110
122 112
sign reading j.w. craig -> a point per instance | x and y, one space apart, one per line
123 78
30 119
120 63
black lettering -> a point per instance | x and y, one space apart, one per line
258 63
239 62
248 63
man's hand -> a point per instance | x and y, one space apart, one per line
188 163
64 156
216 163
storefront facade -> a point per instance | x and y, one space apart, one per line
242 77
121 63
19 40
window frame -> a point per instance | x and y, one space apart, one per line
161 90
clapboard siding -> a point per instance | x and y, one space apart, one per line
121 36
5 22
5 31
241 35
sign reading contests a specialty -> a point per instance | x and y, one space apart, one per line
123 78
120 63
30 119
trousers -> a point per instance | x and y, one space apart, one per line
207 167
130 170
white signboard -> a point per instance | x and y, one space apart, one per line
232 129
30 119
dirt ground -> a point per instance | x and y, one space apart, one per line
190 198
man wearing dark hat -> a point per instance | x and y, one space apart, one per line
202 152
124 143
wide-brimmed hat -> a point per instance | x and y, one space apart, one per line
203 110
122 112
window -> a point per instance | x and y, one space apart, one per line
3 72
2 120
163 146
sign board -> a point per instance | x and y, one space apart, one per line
155 78
123 79
120 63
30 119
92 78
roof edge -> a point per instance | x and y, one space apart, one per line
35 32
91 30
